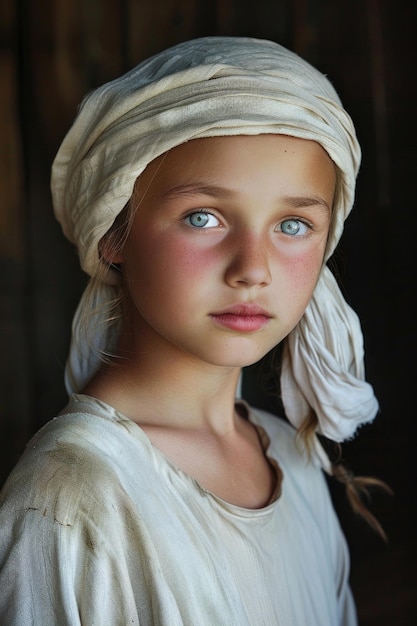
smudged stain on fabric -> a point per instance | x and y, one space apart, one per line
44 514
88 539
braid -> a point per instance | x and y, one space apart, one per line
357 487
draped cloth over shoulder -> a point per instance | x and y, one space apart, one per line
209 87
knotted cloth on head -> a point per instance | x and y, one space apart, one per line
209 87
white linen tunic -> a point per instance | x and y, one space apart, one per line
99 528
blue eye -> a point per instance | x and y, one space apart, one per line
202 219
293 227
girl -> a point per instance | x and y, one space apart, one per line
204 191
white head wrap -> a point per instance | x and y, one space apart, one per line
209 87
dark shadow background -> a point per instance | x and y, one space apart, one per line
54 51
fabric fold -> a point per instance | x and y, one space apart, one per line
323 366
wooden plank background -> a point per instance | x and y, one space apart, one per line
53 51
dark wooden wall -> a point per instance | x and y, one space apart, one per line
53 51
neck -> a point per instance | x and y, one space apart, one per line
169 390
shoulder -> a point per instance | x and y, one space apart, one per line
68 523
78 460
302 467
275 424
281 434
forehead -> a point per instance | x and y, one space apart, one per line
232 159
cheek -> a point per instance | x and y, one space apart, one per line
192 259
301 272
170 264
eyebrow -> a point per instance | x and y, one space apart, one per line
305 201
193 189
216 191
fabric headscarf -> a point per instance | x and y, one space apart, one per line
207 87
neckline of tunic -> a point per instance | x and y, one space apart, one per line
104 410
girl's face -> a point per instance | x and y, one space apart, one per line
226 246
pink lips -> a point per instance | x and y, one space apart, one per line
242 317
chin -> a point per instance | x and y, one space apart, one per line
243 359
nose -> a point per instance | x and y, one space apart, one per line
248 262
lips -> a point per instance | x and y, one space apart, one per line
242 317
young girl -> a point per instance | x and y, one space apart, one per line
205 191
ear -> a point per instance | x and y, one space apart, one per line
108 251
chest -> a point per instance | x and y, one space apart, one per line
234 468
